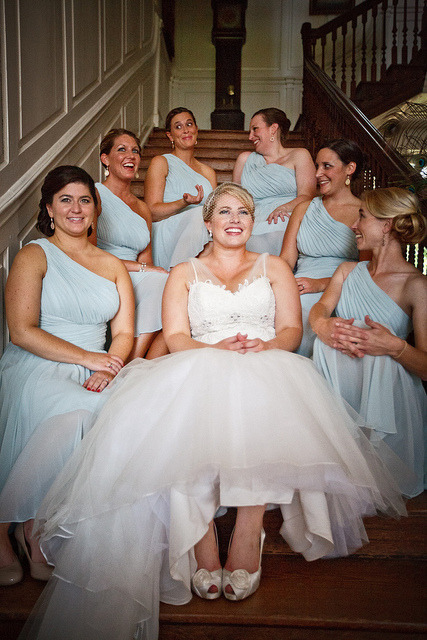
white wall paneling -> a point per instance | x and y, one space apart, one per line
70 71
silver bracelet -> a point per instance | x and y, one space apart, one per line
143 265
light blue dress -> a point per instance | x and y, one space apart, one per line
181 236
271 185
125 234
323 244
390 398
44 410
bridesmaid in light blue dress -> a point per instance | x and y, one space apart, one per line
123 229
278 177
319 237
60 294
363 352
176 186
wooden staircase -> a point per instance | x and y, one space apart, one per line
218 149
378 593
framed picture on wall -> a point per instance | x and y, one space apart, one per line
329 7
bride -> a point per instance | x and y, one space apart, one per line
229 418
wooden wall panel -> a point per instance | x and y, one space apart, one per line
70 70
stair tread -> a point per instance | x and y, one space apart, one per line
343 593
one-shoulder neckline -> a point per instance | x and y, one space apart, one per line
240 285
124 204
186 165
50 244
269 164
331 217
365 264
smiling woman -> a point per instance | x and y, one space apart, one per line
319 236
124 229
178 229
60 293
228 418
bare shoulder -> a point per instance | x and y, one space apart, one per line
242 157
344 269
416 286
31 254
300 154
160 164
277 267
208 172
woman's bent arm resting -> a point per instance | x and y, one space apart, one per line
23 295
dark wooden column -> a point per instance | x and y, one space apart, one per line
228 36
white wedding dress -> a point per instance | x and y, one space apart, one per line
183 435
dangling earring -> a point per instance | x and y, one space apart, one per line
347 181
136 174
272 139
210 233
383 239
195 142
173 144
106 172
52 224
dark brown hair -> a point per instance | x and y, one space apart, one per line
56 180
271 115
175 112
347 151
108 141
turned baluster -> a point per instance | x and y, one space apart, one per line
394 31
363 65
334 63
323 42
353 60
404 33
343 63
374 44
415 44
384 46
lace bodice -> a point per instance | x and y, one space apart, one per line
216 312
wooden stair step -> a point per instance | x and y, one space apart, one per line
376 594
346 596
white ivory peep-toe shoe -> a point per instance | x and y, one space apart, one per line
203 580
243 583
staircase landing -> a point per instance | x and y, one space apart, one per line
379 593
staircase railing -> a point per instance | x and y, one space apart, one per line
360 45
329 113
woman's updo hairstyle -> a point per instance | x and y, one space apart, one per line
56 180
276 116
228 189
409 224
347 151
108 141
175 112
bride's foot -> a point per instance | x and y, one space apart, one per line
207 581
244 551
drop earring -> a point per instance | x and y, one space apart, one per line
173 144
383 240
52 224
106 172
210 234
347 181
137 174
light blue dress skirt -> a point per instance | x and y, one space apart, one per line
181 236
323 244
125 234
271 185
390 398
44 410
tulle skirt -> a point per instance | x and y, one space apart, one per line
181 436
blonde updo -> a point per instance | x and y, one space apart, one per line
409 223
229 189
